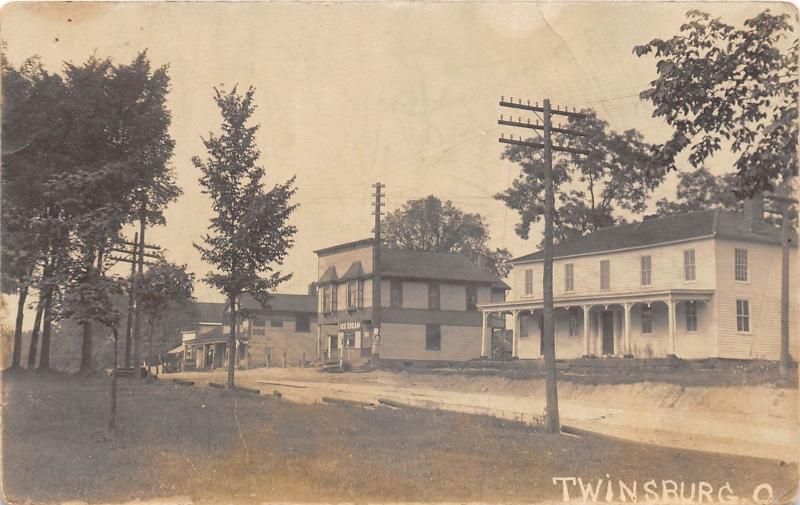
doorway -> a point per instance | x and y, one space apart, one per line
608 332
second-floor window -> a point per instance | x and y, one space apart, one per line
740 264
327 299
257 327
569 277
605 274
647 271
647 320
396 294
472 297
689 267
276 323
433 296
528 282
355 294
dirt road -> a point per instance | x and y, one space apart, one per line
721 420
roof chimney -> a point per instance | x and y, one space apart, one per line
754 212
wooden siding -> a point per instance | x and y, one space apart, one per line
667 271
281 340
762 290
407 341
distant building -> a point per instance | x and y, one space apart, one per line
696 285
429 304
279 334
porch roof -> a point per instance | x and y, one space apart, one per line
602 299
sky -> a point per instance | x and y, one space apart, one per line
351 93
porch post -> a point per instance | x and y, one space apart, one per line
515 335
484 354
586 350
627 351
671 318
319 341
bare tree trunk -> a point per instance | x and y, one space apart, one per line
86 347
37 324
17 352
112 421
232 342
44 357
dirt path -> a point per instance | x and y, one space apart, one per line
721 426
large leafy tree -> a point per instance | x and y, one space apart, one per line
163 288
618 174
700 189
428 224
723 87
249 234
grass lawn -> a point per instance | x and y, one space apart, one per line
212 445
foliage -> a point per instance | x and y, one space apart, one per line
619 173
164 287
699 189
428 224
249 233
719 85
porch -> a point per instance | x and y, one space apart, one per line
642 325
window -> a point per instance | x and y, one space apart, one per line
433 297
743 315
573 326
646 270
647 320
276 323
433 337
569 277
741 264
396 294
327 299
691 316
349 339
302 323
528 282
355 291
259 322
259 332
605 274
257 327
472 297
689 268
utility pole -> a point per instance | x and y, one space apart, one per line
376 274
133 253
784 209
549 344
137 320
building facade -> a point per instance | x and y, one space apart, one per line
697 285
428 304
280 333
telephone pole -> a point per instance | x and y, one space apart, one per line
784 205
133 253
376 274
549 345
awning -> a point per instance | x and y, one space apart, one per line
177 350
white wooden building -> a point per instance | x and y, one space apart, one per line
697 285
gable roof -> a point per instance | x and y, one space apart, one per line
210 312
660 230
281 302
432 265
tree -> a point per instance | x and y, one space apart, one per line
721 86
31 124
249 235
164 287
428 224
700 189
619 173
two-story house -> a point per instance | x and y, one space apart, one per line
428 303
696 285
280 333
